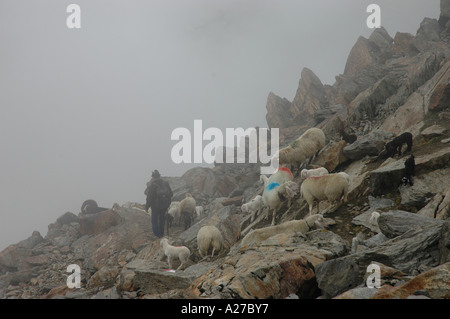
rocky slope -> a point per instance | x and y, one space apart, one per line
390 85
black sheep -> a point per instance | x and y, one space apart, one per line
349 138
410 168
395 146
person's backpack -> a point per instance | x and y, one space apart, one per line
163 196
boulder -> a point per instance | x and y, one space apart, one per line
368 145
92 224
331 156
13 256
428 31
282 265
99 250
433 283
417 249
433 131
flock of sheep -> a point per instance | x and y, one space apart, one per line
317 185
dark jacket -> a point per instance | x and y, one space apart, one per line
152 197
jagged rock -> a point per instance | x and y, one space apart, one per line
445 13
278 112
151 279
105 277
434 282
440 97
361 55
403 44
443 211
381 38
12 257
310 97
327 112
101 249
358 293
396 223
433 131
374 205
425 187
417 249
367 145
388 176
92 224
429 31
280 266
331 156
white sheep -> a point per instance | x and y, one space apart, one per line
304 147
302 226
283 174
173 211
209 238
186 210
345 175
274 194
182 252
328 187
253 207
315 172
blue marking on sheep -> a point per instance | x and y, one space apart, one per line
272 186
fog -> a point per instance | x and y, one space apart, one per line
88 113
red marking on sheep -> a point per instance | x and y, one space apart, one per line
287 170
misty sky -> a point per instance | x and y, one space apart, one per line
88 113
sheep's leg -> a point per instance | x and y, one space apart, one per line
169 260
273 218
212 254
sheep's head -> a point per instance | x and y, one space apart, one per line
287 190
164 242
244 208
317 221
303 173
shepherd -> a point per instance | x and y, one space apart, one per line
159 196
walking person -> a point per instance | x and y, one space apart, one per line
159 197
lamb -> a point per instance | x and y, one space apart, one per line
274 194
394 146
182 252
308 144
186 210
329 187
305 173
253 207
209 238
302 226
